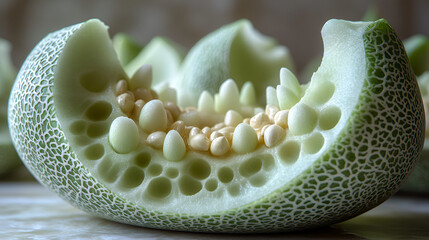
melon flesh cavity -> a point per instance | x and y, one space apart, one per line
362 132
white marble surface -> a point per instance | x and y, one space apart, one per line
29 211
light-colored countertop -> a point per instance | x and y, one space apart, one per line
30 211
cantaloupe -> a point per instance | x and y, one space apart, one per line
315 155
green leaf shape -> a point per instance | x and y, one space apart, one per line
235 51
363 160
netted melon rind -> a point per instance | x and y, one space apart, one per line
372 157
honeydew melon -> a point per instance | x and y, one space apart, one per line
363 136
8 157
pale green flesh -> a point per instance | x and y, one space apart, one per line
380 135
234 51
144 175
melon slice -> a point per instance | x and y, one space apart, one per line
316 155
8 157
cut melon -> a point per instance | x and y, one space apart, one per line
8 157
326 152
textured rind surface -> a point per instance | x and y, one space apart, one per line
355 175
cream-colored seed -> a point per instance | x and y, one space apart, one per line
215 134
271 111
144 94
219 146
281 118
227 132
121 87
246 120
199 142
194 131
233 118
126 102
273 135
138 105
156 139
173 108
179 126
170 117
259 120
207 131
218 126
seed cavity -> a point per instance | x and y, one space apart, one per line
159 188
99 111
313 143
329 117
289 152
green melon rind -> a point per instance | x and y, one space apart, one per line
340 185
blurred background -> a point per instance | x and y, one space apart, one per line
294 23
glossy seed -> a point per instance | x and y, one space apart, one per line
144 94
125 102
123 135
273 135
156 139
233 118
173 108
302 119
174 147
281 118
228 98
289 80
206 102
244 139
248 94
219 146
121 87
153 117
271 95
271 111
199 142
259 120
138 106
287 98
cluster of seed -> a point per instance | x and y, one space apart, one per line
176 130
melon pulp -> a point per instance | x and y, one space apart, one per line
353 136
8 157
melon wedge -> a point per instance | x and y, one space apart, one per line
348 143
